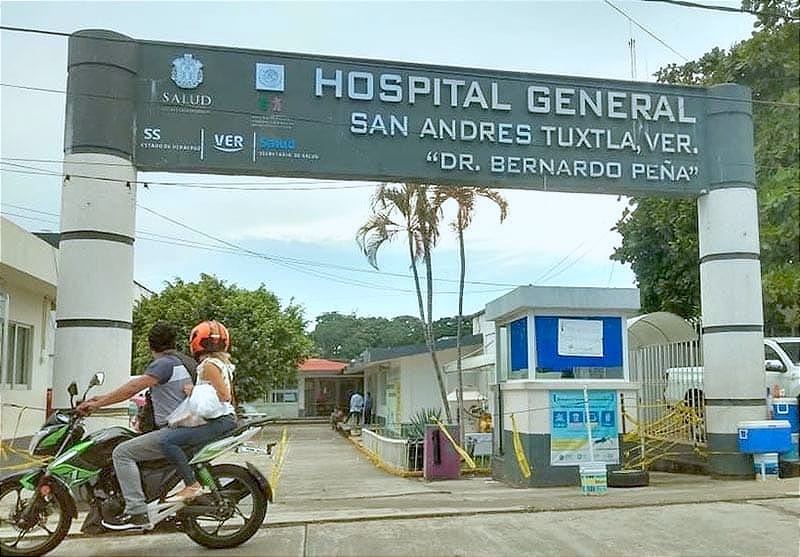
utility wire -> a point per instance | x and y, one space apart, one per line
379 64
646 30
618 86
225 248
239 186
739 10
126 164
510 76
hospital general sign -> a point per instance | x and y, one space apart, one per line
210 110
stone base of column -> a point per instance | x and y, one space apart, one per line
724 459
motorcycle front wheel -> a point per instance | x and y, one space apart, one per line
25 534
245 508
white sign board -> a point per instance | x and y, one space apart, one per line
580 337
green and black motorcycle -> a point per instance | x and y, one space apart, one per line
37 506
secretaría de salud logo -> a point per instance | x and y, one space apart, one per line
187 71
270 77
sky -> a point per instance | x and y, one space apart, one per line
304 233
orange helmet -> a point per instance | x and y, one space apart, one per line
209 336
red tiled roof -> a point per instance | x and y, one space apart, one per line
318 365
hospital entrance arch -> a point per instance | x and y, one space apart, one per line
152 106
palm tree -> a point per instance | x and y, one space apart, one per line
466 198
408 208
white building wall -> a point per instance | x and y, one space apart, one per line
419 388
28 276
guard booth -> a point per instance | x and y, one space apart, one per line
552 343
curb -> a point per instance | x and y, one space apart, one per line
470 512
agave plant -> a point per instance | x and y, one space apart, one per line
423 418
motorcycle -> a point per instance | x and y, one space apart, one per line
37 506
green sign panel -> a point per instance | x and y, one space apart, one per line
203 109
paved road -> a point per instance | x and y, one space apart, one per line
331 500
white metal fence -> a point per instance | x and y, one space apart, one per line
672 396
398 453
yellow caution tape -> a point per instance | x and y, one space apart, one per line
523 462
464 454
29 461
278 462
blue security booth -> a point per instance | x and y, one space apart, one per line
560 351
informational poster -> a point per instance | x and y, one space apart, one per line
569 435
580 337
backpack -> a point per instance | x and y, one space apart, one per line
146 416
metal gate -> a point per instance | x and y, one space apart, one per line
672 401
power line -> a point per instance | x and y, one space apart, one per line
618 86
239 186
375 64
229 248
124 164
471 72
739 10
646 30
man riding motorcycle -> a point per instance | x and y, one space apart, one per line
165 376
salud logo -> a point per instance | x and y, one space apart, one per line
187 71
270 77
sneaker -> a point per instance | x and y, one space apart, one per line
127 521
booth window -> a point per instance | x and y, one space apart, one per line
578 347
502 353
518 339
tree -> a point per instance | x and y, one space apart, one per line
408 210
465 198
267 341
345 337
659 236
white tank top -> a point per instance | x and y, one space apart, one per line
227 369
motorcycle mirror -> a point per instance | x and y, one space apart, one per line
72 389
97 379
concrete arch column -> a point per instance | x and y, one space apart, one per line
730 281
98 214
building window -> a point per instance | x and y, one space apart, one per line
18 355
518 333
284 395
3 334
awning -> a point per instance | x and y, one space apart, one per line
660 327
468 396
471 363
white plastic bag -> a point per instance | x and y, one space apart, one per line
183 416
205 403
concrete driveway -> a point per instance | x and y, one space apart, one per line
330 500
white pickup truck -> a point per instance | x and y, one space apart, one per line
781 368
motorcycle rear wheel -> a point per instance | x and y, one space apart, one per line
249 505
13 499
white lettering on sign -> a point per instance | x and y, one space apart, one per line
482 131
494 96
617 105
456 93
362 123
620 126
554 167
228 142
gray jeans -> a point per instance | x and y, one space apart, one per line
126 457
